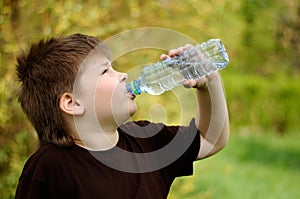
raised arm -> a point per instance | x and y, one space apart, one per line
212 118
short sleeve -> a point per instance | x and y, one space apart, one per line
189 141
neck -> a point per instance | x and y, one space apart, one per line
98 141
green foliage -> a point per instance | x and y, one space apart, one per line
261 103
262 38
253 165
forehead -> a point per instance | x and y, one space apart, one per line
89 70
93 62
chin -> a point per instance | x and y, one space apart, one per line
132 108
121 116
132 111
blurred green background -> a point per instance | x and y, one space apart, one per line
262 159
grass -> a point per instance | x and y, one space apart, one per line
257 166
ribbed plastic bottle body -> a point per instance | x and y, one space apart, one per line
194 63
158 78
203 59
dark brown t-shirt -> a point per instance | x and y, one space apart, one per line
144 164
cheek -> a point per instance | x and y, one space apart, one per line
107 95
112 102
103 93
105 88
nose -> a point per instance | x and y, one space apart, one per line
123 77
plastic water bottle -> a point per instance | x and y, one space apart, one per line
194 63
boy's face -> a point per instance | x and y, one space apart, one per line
103 94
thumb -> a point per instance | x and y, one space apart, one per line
198 83
189 83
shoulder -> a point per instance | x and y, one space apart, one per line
38 156
49 151
46 159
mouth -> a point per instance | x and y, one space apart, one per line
132 96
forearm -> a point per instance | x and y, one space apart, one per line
212 119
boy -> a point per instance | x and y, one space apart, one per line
78 103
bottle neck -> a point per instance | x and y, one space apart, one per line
134 87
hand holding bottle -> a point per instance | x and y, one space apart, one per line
199 83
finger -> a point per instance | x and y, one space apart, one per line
187 46
173 52
201 83
163 56
189 83
179 50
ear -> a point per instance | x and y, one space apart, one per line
69 105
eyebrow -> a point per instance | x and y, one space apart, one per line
105 64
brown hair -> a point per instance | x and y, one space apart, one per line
46 71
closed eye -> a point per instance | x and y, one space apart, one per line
104 71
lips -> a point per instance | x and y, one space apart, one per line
132 96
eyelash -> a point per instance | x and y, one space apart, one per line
105 70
